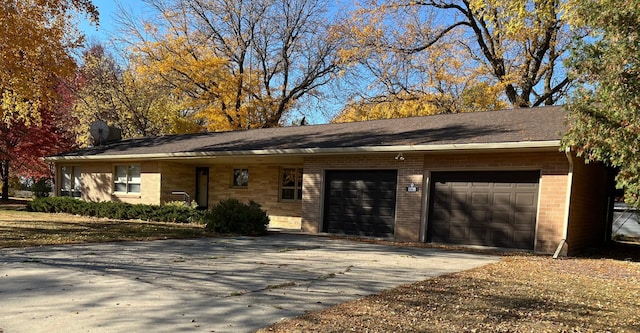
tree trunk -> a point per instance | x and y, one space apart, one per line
4 176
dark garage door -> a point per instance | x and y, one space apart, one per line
360 202
484 208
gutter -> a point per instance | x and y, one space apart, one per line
565 229
478 147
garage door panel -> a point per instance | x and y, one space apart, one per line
458 233
525 219
440 215
386 212
525 199
479 215
376 203
501 199
476 236
459 216
484 208
501 216
367 198
479 198
521 236
460 203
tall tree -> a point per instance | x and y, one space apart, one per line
35 47
23 145
514 46
107 90
605 110
242 64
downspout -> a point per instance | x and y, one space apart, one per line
565 229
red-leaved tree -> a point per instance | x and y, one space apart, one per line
22 146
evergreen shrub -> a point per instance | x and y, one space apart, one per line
235 217
116 210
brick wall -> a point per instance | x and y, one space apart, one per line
177 177
97 182
263 188
159 179
588 209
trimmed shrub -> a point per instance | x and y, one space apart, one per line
116 210
235 217
41 188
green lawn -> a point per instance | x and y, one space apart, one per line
19 228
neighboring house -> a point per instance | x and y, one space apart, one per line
493 179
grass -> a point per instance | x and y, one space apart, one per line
19 228
521 293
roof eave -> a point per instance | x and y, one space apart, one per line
550 145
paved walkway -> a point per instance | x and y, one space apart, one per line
235 284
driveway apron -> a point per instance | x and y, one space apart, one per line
236 284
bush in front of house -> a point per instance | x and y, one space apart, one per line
116 210
41 188
235 217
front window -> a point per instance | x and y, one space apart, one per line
240 177
127 179
71 181
291 184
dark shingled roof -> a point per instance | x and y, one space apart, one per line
517 125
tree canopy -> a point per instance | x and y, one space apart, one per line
238 64
36 43
35 47
108 90
605 109
508 53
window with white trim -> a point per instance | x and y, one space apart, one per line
291 184
240 178
126 179
71 181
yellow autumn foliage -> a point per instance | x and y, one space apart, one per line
515 46
479 96
193 72
121 98
36 39
238 64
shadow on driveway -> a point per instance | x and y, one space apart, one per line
234 284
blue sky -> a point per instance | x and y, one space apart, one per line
108 10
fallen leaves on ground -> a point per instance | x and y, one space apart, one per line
521 293
19 228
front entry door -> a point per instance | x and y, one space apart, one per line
202 187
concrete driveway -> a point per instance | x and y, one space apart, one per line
234 284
